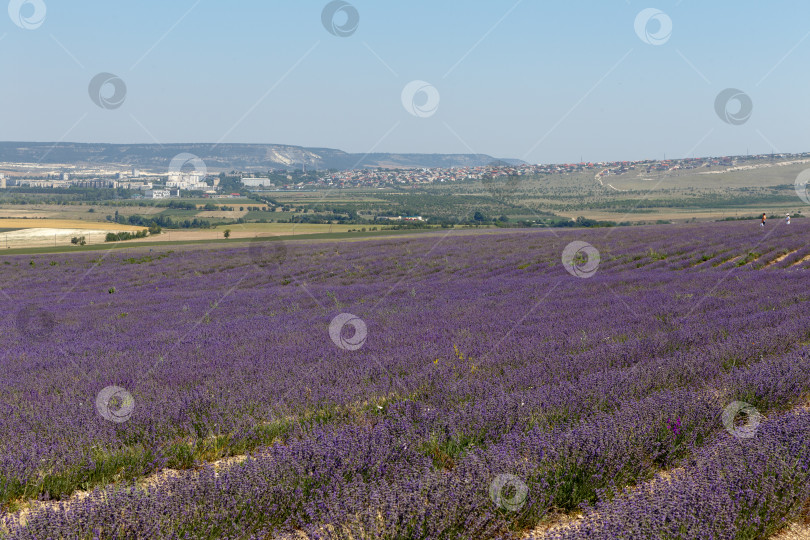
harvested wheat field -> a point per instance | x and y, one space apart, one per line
21 223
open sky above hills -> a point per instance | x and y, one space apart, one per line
544 82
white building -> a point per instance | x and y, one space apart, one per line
186 181
256 182
137 185
157 193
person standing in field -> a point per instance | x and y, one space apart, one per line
762 224
787 218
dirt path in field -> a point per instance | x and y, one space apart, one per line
800 261
562 522
598 178
799 530
153 480
794 532
780 258
557 523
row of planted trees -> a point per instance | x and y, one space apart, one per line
125 235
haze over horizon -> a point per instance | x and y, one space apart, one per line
542 83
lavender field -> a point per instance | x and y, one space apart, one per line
642 382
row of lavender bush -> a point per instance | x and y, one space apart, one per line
483 355
375 482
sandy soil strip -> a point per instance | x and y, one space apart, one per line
795 532
556 523
800 261
147 482
566 521
780 258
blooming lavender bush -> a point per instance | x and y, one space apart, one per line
729 490
480 357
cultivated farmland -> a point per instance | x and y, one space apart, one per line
644 382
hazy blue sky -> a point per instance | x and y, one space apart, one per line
539 80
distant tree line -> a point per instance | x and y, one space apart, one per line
584 222
159 221
117 237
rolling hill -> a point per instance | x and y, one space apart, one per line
226 157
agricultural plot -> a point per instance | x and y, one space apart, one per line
272 229
62 224
221 214
643 382
74 212
20 233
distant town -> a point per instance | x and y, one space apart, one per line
162 185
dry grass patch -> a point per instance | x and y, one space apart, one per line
17 223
